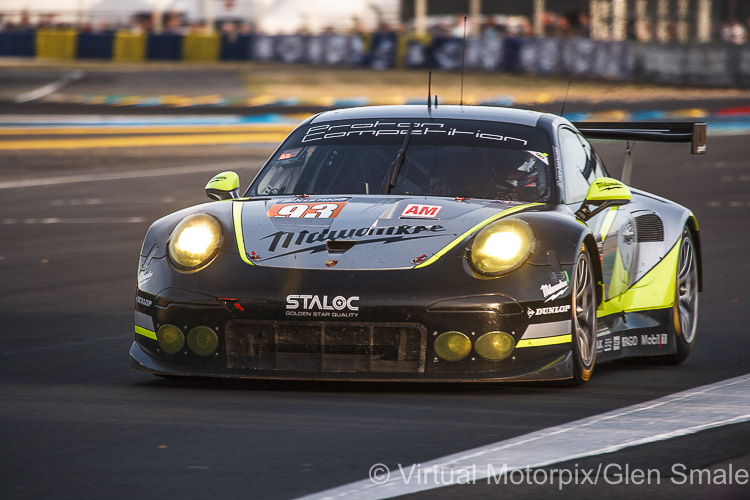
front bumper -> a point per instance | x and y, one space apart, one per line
257 340
556 368
353 325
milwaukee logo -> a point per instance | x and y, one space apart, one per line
554 291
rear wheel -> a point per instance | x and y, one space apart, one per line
584 319
685 309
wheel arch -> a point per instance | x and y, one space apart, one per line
692 225
590 244
565 236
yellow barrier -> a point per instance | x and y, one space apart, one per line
201 47
56 44
129 47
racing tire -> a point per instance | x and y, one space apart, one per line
685 310
584 319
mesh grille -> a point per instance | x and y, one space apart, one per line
326 346
650 228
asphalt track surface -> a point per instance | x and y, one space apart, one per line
74 422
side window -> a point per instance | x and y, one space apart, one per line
577 166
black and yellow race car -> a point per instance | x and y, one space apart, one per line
418 243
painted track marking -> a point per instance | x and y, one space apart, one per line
48 89
144 141
710 406
59 220
110 176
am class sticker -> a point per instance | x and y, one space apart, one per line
417 211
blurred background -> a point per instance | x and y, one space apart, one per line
682 42
644 20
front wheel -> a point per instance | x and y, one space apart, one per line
584 319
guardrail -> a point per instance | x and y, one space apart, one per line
715 65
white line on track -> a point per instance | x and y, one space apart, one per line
680 414
110 176
59 220
49 88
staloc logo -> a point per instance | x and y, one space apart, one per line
321 302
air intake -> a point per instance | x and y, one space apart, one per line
339 246
650 228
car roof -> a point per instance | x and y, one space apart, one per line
422 112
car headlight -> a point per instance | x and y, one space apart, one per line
195 242
500 247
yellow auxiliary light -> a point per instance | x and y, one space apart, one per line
495 345
452 346
170 338
500 247
202 340
195 242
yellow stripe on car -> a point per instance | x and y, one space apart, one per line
146 333
557 339
655 290
237 218
474 229
607 223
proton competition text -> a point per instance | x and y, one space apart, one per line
378 128
606 474
321 306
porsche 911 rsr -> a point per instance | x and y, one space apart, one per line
424 244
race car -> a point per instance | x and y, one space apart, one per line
424 243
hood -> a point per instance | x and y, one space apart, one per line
357 232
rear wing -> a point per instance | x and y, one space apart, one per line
692 132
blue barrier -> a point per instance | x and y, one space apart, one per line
235 47
382 53
166 46
444 53
511 61
95 45
17 43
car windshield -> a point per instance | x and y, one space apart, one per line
453 158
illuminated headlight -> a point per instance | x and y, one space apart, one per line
500 247
195 242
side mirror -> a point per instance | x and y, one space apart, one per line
224 186
603 193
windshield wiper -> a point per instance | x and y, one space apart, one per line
386 188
